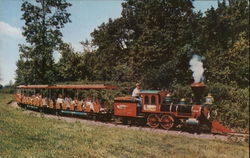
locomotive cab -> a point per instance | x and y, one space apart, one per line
152 100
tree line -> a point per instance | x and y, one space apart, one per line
152 42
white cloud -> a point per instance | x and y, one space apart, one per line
6 29
77 46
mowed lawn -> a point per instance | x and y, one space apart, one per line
26 135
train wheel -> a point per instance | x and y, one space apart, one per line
57 112
167 122
153 120
124 121
40 110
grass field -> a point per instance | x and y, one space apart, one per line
26 135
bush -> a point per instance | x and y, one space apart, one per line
180 91
10 90
231 103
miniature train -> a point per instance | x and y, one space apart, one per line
155 108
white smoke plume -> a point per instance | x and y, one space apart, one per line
196 66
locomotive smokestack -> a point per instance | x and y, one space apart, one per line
198 90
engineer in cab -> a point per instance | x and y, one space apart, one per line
136 92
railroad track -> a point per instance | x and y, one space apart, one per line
236 137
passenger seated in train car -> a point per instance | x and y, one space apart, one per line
45 101
96 101
80 106
51 103
82 103
37 95
32 99
97 104
74 103
89 103
60 100
40 100
67 101
67 98
35 99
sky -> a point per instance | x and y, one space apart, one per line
86 15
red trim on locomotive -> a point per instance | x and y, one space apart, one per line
196 111
197 84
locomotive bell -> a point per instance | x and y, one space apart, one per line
198 90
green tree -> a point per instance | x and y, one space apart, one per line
230 66
149 35
70 65
223 42
153 41
110 38
43 21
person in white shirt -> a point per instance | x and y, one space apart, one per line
136 97
60 99
67 101
136 92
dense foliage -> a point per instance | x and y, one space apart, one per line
152 43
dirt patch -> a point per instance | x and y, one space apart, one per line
13 104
